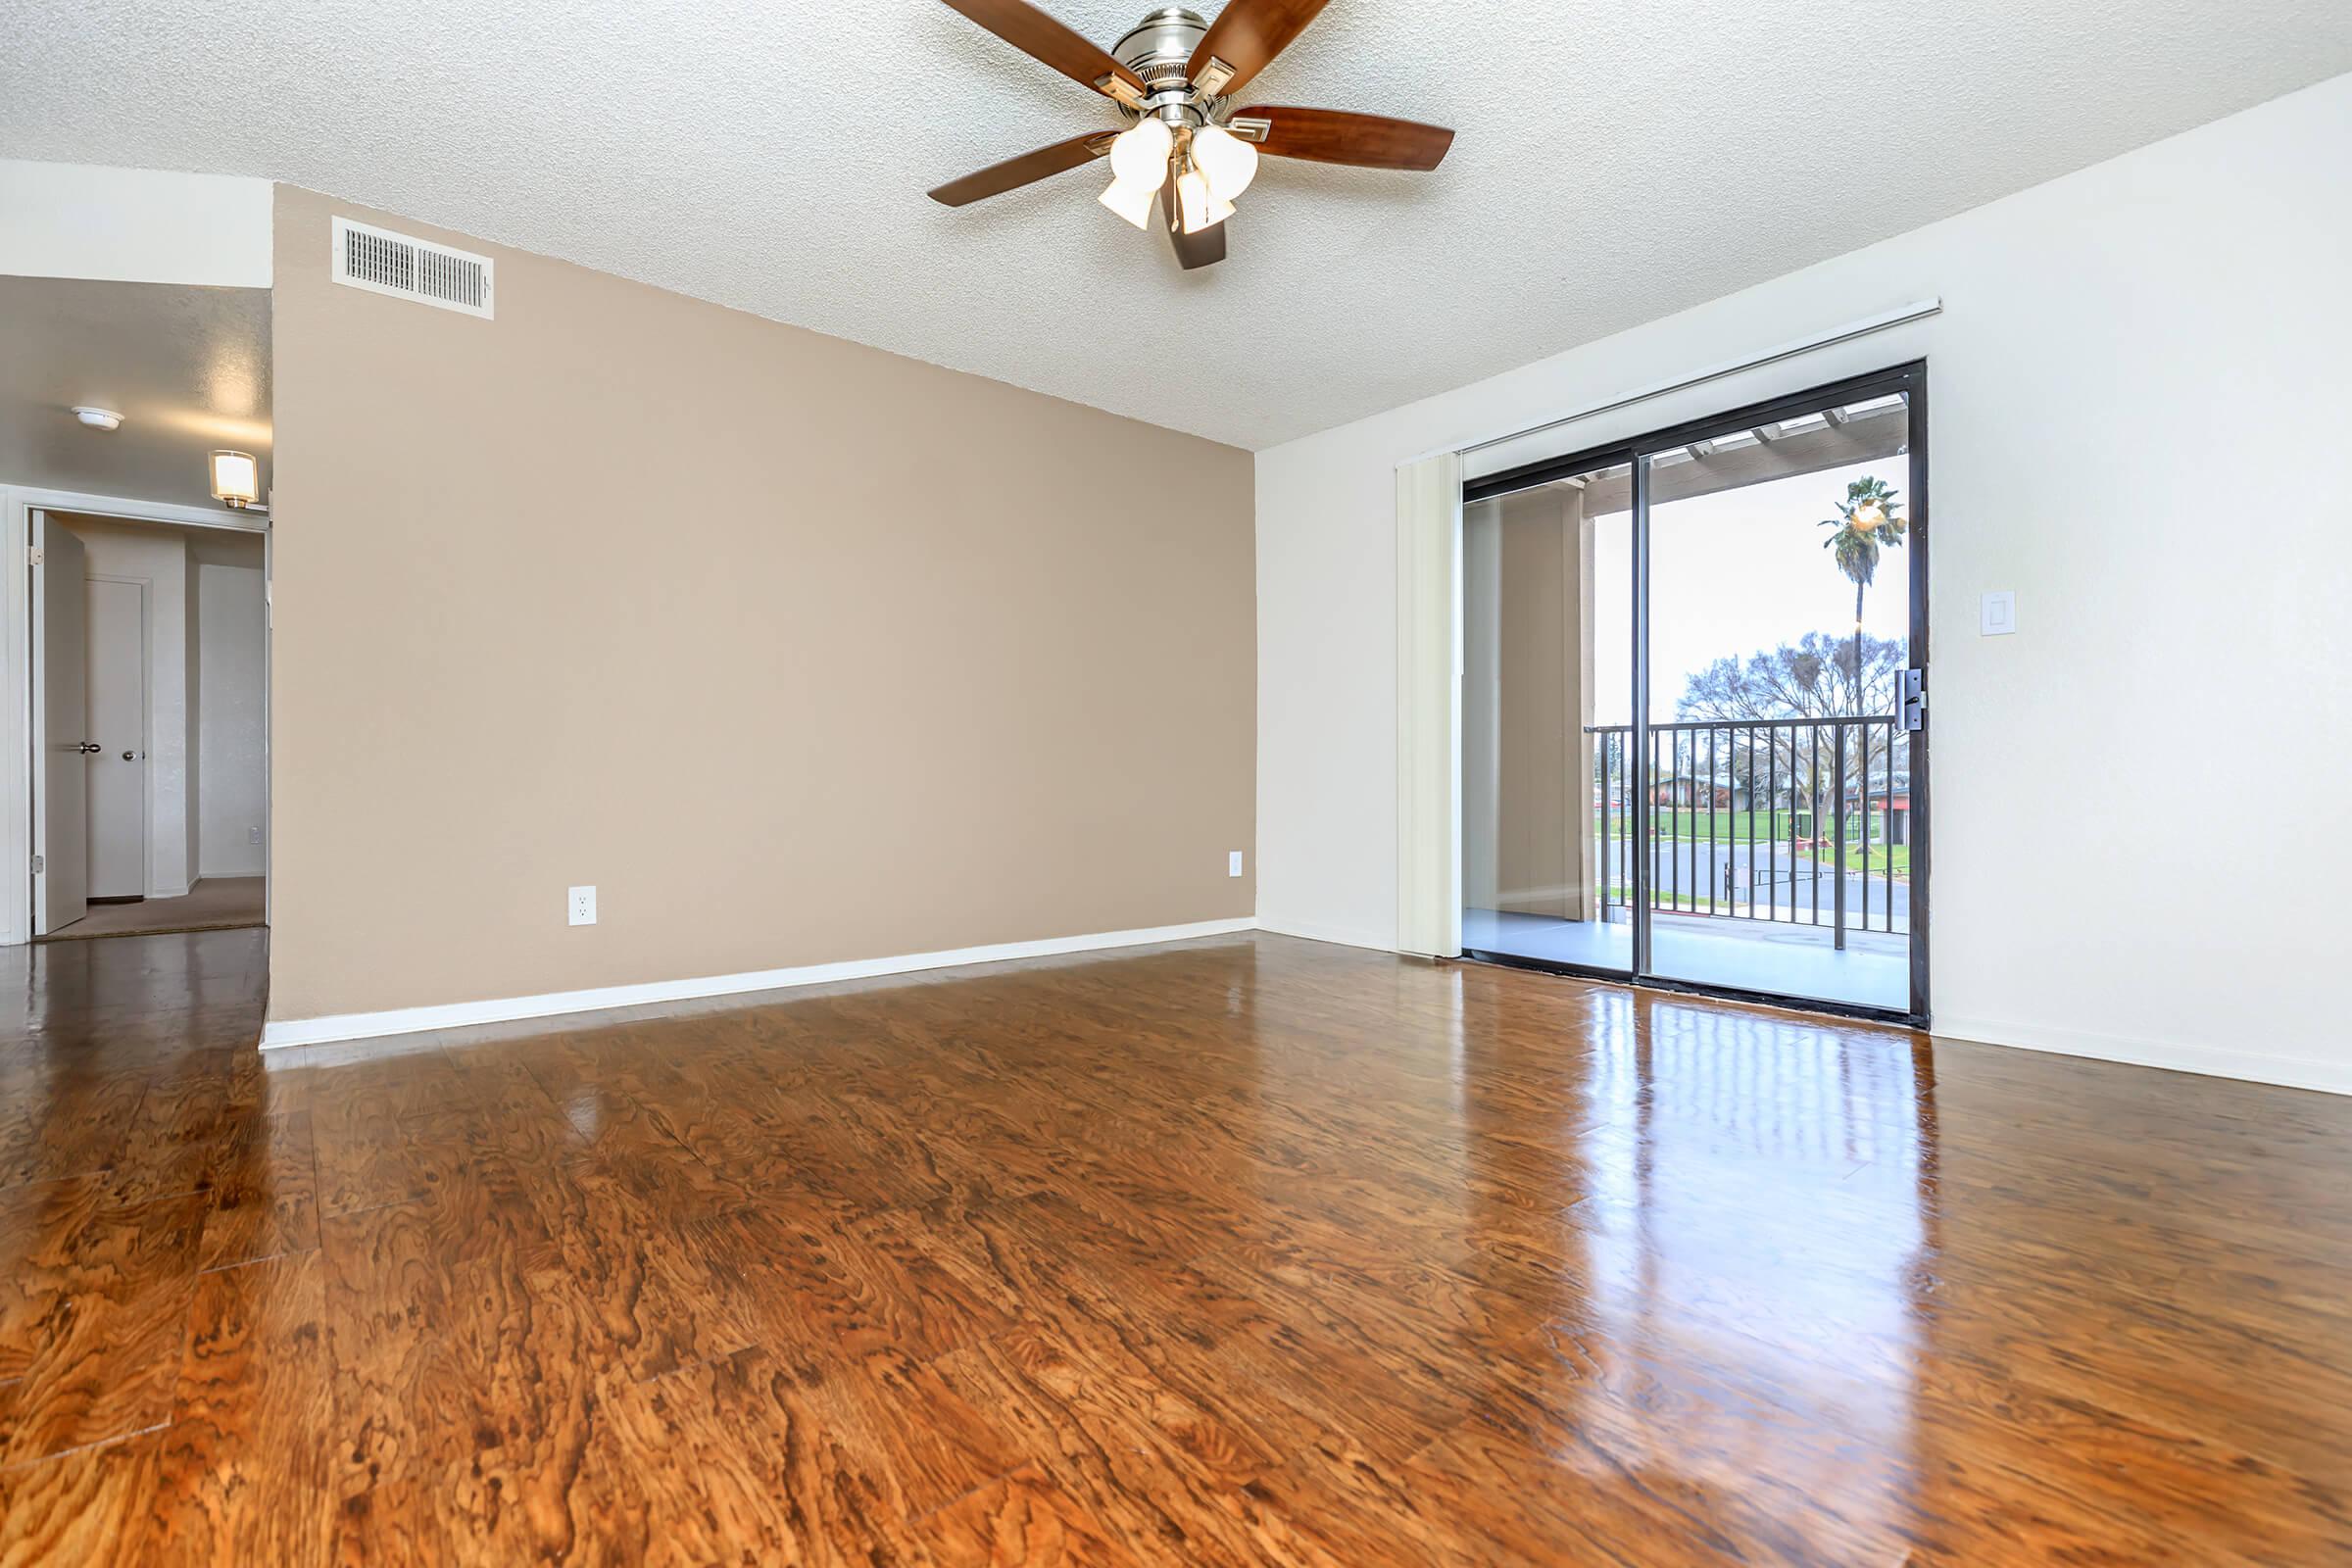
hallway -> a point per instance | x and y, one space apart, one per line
215 904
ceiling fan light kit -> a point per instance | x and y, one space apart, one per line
1133 202
1229 163
1186 151
1139 157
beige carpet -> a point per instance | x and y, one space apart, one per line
213 904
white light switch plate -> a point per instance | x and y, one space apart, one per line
582 904
1233 863
2000 613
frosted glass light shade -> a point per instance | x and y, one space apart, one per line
236 478
1132 200
1229 162
1197 207
1139 155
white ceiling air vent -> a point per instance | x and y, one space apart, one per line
384 263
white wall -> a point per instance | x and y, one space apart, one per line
2140 397
230 763
134 226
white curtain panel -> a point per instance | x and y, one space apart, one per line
1428 729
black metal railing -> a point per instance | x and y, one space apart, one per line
1750 817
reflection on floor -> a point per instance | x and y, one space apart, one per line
1242 1250
1788 960
214 903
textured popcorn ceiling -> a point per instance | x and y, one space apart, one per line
1617 160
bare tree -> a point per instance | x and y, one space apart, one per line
1819 675
1814 678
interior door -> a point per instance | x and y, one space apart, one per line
60 837
116 676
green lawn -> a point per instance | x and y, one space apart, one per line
1733 827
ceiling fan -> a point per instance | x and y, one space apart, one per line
1187 150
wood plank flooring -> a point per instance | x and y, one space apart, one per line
1251 1250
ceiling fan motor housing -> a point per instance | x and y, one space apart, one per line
1159 51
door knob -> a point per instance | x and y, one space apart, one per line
126 756
92 747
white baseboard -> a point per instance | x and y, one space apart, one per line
2294 1072
1312 932
179 891
2211 1062
280 1032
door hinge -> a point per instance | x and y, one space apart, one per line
32 554
1914 691
41 864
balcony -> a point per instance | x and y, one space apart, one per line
1778 860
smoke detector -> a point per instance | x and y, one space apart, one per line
98 419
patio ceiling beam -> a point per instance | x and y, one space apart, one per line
1825 446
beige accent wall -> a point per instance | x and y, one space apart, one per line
798 651
1527 676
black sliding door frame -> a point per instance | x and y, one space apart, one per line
1911 381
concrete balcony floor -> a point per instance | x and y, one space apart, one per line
1795 960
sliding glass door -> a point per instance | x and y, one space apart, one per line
1705 652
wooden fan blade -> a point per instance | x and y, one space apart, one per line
1248 35
1014 173
1040 36
1204 249
1336 136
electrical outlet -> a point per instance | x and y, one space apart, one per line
252 835
584 905
1233 863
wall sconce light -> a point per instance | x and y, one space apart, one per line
236 479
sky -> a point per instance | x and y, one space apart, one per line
1734 573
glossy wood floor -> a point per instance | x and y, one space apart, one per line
1251 1250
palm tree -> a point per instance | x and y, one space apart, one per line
1866 524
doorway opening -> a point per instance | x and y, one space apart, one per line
1694 709
148 707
